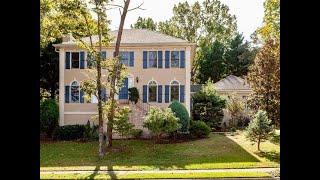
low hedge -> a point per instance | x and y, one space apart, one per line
75 132
199 129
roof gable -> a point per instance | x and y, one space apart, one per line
232 82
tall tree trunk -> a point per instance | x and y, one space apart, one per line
114 78
52 92
101 134
259 144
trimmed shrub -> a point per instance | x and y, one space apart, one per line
91 133
136 133
161 122
133 94
69 132
181 112
49 115
199 129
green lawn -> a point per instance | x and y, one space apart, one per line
156 175
218 151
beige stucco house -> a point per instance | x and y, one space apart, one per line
159 67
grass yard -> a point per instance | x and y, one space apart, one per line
217 151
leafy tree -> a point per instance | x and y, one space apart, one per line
259 128
212 64
49 115
270 29
160 122
181 112
235 108
144 23
121 123
239 56
208 106
264 79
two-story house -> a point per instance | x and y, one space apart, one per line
159 67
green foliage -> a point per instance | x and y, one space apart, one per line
218 60
136 133
264 79
144 23
90 133
49 115
181 112
160 121
199 129
208 106
259 128
121 122
236 109
133 94
212 64
69 132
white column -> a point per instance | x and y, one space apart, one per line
188 78
61 86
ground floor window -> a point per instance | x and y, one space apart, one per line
152 91
174 91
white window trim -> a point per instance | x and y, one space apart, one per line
179 59
70 59
170 89
156 91
148 59
70 98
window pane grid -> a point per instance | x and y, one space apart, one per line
175 58
152 59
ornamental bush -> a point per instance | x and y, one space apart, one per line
133 94
208 106
69 132
199 129
181 112
161 122
49 115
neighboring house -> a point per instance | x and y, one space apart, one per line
159 67
230 85
233 85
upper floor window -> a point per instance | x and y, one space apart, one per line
125 57
75 60
174 91
175 59
152 59
152 91
75 94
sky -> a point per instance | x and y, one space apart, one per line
249 13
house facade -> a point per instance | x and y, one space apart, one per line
159 67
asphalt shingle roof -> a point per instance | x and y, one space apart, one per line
232 82
140 36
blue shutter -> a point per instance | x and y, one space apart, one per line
67 59
159 59
145 54
103 55
66 94
81 60
166 93
131 63
159 94
182 59
81 96
103 94
145 97
182 93
167 59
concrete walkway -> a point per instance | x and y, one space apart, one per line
121 172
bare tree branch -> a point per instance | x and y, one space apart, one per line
115 5
138 7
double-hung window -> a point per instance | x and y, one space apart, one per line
174 91
152 91
152 59
175 58
75 92
125 57
75 60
